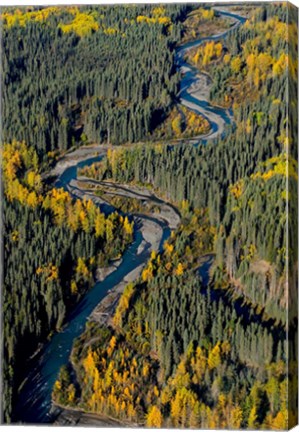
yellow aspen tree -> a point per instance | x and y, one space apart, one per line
236 64
57 385
168 248
81 268
197 57
84 221
111 346
100 225
227 58
185 206
109 230
89 364
128 227
179 270
131 411
145 370
252 419
256 78
71 393
236 417
32 200
218 49
280 422
96 381
176 125
154 417
214 358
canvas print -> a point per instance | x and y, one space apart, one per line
149 215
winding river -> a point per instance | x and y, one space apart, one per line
195 86
34 402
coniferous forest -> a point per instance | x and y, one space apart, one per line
118 119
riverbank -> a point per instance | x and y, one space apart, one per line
77 417
73 157
167 212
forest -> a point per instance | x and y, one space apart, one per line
105 74
240 178
222 364
68 51
52 246
217 365
185 347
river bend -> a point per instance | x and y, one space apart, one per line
34 401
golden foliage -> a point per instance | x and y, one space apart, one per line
237 189
123 304
82 269
19 17
176 125
283 165
207 14
57 385
17 158
50 271
168 248
82 24
185 123
214 358
154 417
74 288
128 227
179 270
207 53
162 20
236 64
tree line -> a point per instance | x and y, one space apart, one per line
114 82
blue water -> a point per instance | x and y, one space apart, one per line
34 401
35 398
190 77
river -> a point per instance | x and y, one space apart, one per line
34 402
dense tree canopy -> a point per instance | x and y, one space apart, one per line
103 74
52 246
185 347
219 350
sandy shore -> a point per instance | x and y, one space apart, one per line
76 417
74 156
103 272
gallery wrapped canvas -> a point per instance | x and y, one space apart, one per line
149 215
